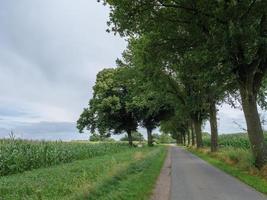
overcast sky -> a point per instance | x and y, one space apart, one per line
50 53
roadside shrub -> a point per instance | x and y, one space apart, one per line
241 157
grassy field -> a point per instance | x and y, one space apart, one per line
126 174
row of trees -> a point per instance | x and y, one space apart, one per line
184 57
120 103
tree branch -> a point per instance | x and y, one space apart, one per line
192 10
248 10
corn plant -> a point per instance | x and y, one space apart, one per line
19 155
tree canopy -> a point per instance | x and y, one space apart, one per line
184 58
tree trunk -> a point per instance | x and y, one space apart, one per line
130 139
193 134
213 127
188 137
197 125
183 135
179 139
254 129
149 137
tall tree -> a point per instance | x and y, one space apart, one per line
175 76
108 108
149 104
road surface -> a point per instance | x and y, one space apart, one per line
194 179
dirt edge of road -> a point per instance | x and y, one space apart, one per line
163 185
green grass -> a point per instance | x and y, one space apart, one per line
135 182
130 174
257 182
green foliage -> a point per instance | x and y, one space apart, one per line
163 139
131 172
239 140
176 126
18 155
136 136
100 138
149 104
199 51
95 138
108 108
240 156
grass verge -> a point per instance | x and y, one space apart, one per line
134 182
255 181
127 175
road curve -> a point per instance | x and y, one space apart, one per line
194 179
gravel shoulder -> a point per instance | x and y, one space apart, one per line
163 185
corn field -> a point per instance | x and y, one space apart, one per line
232 140
19 155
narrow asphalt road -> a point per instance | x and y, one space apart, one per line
194 179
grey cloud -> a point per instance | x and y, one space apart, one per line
11 112
4 133
65 131
47 127
50 53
